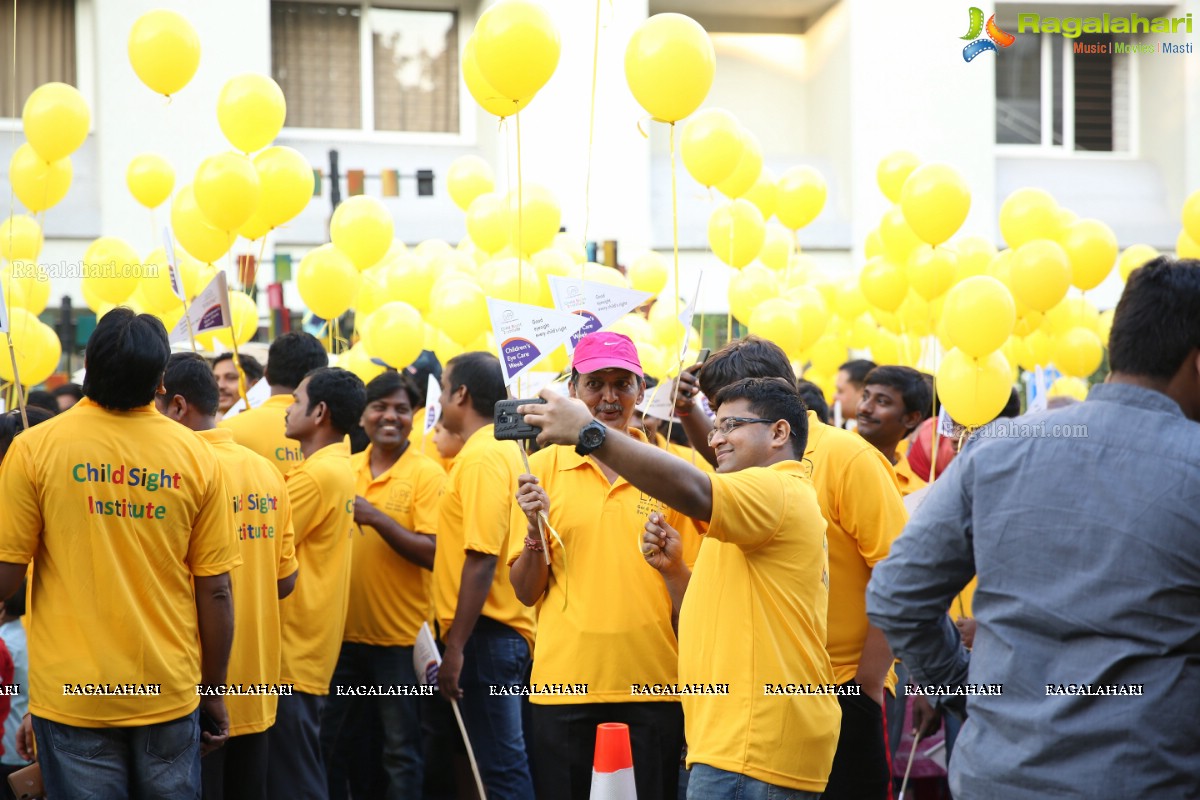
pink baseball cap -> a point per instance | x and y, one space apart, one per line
606 350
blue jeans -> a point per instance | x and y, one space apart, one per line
710 783
373 665
145 762
496 655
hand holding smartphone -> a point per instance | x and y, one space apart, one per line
509 425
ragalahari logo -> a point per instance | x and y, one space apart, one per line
995 36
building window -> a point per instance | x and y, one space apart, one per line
356 66
1061 94
45 49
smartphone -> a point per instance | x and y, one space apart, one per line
510 426
26 783
208 724
703 356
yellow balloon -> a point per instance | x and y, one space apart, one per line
893 171
155 286
849 302
37 349
711 145
461 314
537 223
227 190
931 271
150 178
873 244
827 355
358 361
813 314
1186 246
777 248
669 65
164 50
513 280
779 321
973 390
395 334
243 315
572 246
487 96
915 315
20 238
899 240
749 288
112 267
883 283
362 228
603 274
467 178
736 232
1036 349
1041 274
747 171
647 272
411 279
1028 322
1190 215
801 197
56 120
37 184
1092 249
489 221
1027 215
1104 325
935 201
635 326
1068 387
553 261
250 111
1072 312
516 47
1078 352
286 179
669 332
327 281
885 347
26 285
973 256
980 314
764 193
1133 257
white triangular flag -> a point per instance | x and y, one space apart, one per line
173 267
208 312
688 313
426 657
257 394
526 334
599 304
433 404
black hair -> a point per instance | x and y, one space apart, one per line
814 399
292 356
857 370
427 364
343 394
69 389
39 398
750 357
11 424
1154 328
189 376
125 355
249 364
1013 407
389 383
771 398
911 385
15 605
480 372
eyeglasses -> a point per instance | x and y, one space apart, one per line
730 424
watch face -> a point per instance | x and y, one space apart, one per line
593 435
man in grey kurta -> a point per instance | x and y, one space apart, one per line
1083 525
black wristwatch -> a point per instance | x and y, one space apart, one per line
591 436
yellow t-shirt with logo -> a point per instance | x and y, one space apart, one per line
615 602
263 524
312 617
908 480
858 495
474 515
120 509
754 614
424 442
261 429
390 596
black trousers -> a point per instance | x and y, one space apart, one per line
565 746
236 771
295 768
861 769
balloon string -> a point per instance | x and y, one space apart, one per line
520 221
587 183
675 249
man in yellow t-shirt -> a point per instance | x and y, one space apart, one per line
486 631
390 576
756 681
329 402
263 525
895 401
599 517
292 356
126 514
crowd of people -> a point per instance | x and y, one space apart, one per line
771 595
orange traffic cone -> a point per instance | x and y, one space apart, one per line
612 770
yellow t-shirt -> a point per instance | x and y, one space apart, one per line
615 601
390 595
474 515
688 454
261 429
857 491
263 525
312 617
120 509
754 615
908 480
424 443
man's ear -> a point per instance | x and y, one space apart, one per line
912 420
781 434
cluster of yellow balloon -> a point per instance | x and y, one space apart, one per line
36 346
56 121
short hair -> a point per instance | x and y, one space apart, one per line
480 372
911 385
189 376
750 357
250 365
71 389
39 398
857 370
388 383
1154 327
292 356
11 424
343 394
1013 407
814 399
125 356
774 399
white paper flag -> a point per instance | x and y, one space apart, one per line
3 311
599 304
208 312
688 313
433 404
426 658
526 334
256 394
173 267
